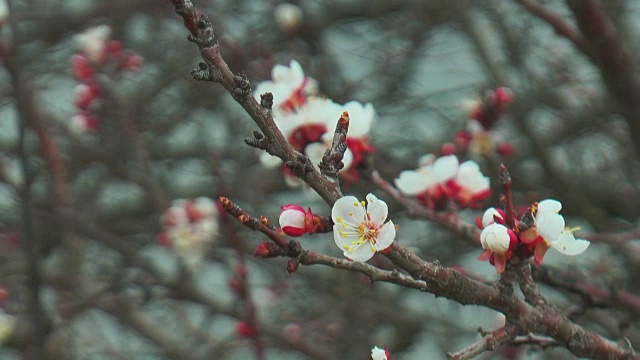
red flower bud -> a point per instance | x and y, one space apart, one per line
244 330
502 96
268 250
292 265
164 240
114 49
295 221
81 67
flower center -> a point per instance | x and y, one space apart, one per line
367 232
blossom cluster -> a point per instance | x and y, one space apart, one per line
359 228
308 120
478 138
535 232
440 179
97 53
190 226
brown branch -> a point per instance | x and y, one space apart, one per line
123 309
613 238
599 42
558 24
488 342
240 287
591 293
615 61
528 287
430 277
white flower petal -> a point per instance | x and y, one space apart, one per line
291 217
549 225
206 206
569 245
360 118
324 111
488 217
378 354
347 159
386 236
412 182
348 210
495 237
269 161
470 177
315 152
426 160
377 210
291 75
362 252
345 236
474 126
445 168
550 206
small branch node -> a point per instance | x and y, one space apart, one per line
300 166
257 141
331 161
243 86
266 100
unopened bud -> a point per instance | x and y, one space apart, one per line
268 250
292 265
288 17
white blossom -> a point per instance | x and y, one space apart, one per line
495 237
359 230
289 87
412 182
551 227
191 227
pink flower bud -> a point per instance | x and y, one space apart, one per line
244 330
447 149
86 94
502 96
293 332
164 240
114 49
4 296
268 250
294 221
504 149
81 67
193 213
462 139
132 63
83 122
